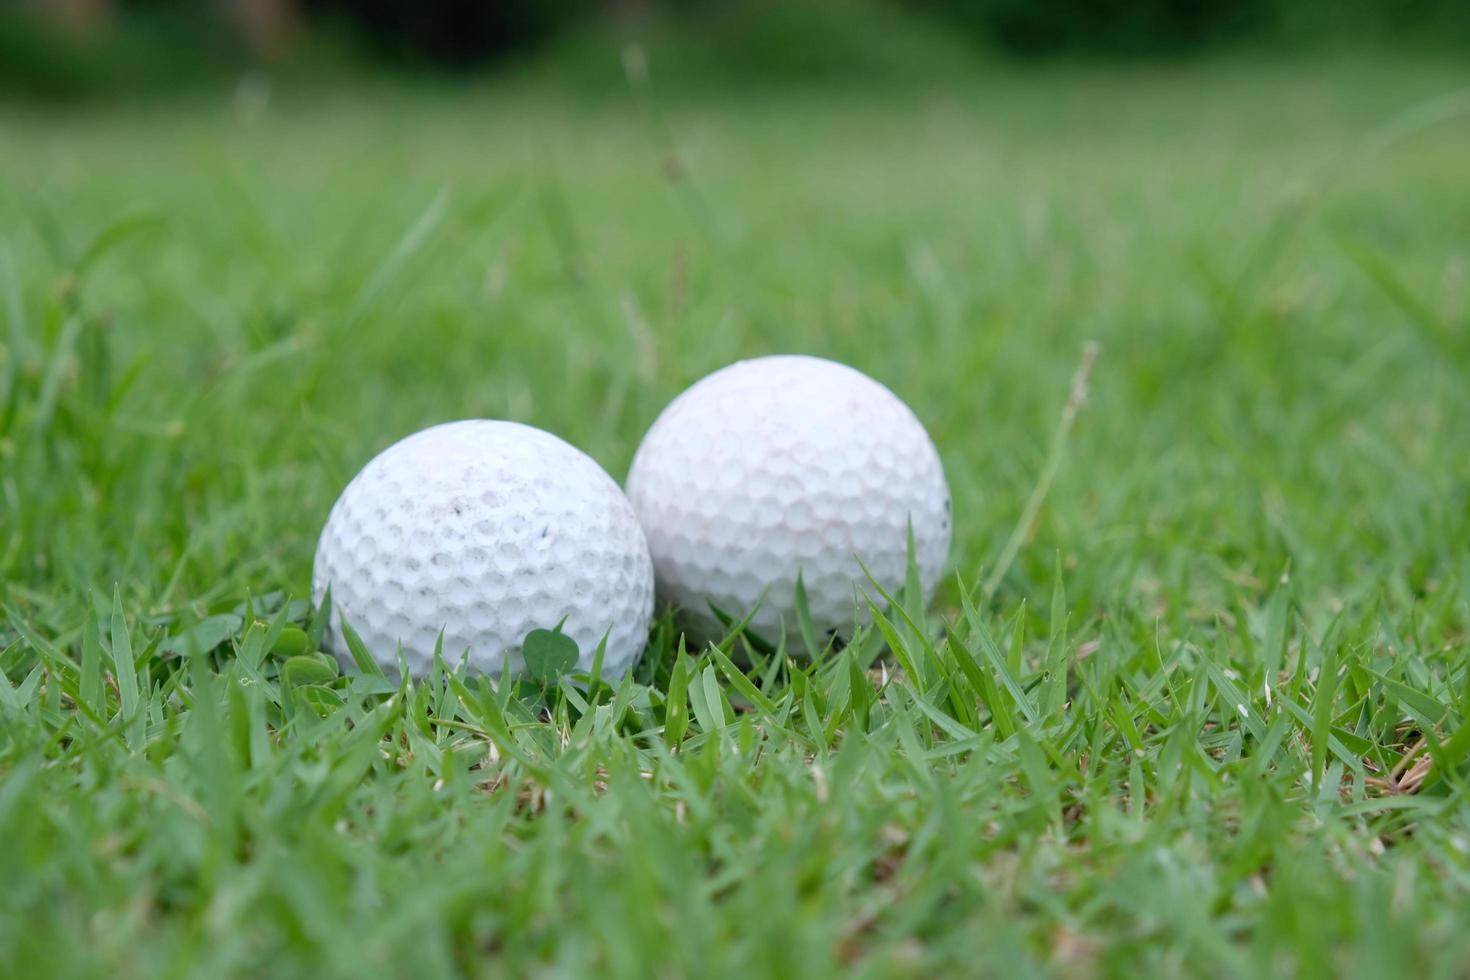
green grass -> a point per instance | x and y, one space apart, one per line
1213 719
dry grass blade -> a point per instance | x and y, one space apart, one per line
1076 398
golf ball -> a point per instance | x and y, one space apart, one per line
484 530
782 466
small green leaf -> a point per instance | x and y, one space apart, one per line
292 642
708 701
322 700
676 706
548 655
300 671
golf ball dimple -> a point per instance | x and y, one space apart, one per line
485 530
785 466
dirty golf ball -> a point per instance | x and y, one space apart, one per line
484 530
782 466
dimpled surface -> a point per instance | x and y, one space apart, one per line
782 465
487 530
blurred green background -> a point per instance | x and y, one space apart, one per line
87 48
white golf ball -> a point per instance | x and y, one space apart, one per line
782 466
485 530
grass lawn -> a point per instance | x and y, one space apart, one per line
1207 714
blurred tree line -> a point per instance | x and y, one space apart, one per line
58 46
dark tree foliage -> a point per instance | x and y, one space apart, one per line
143 45
1132 27
1122 26
453 33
